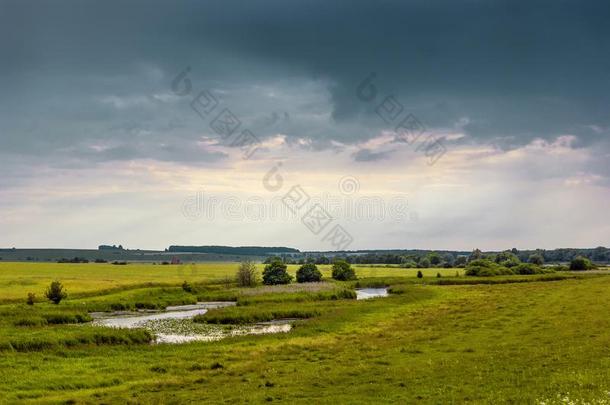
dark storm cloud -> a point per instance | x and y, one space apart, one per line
367 155
511 71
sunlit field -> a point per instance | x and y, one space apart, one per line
17 279
532 339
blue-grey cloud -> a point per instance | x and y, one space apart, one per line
81 74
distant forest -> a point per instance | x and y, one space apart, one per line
230 250
599 254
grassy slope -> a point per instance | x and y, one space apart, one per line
433 344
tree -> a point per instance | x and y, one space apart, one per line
424 263
55 292
343 271
246 274
460 261
275 273
507 259
322 260
581 263
475 255
308 273
271 259
536 259
435 259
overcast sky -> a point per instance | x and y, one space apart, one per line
507 105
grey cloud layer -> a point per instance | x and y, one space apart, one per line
76 72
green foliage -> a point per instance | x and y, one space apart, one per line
560 267
275 273
536 259
485 268
435 259
460 261
343 271
254 314
581 263
475 255
187 287
420 274
246 274
424 263
55 292
308 273
408 263
335 294
507 259
529 268
81 337
438 275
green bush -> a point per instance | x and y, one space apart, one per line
343 271
420 274
424 263
55 292
246 274
581 263
530 268
536 259
507 259
275 273
486 268
187 287
308 273
31 299
408 264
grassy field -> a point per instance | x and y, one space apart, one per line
529 342
17 279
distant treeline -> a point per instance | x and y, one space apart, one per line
230 250
108 247
598 254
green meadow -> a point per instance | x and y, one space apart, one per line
449 339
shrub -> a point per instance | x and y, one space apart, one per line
275 273
420 274
55 292
507 259
536 259
486 268
438 275
245 315
581 263
435 259
308 273
424 263
187 287
343 271
31 298
529 268
246 274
